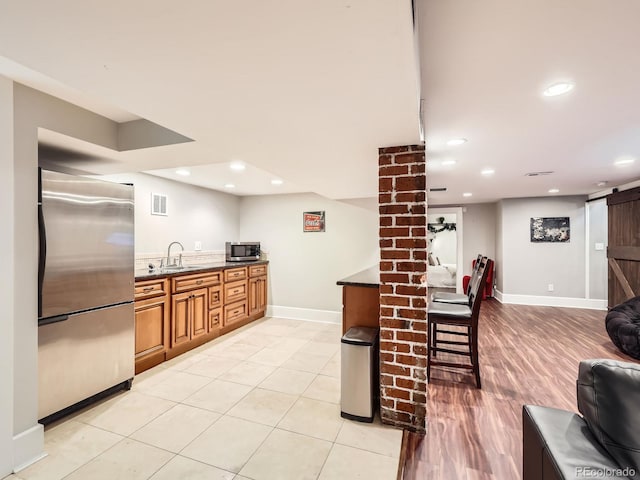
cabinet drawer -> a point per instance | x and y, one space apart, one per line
198 280
235 291
235 312
150 288
215 296
233 274
257 270
215 319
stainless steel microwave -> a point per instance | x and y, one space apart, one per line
242 251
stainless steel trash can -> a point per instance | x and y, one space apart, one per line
359 374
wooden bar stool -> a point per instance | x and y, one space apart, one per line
456 315
463 298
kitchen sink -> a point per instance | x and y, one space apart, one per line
178 268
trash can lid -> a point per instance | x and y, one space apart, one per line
365 336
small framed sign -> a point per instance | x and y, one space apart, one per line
313 221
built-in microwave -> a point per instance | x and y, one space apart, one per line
242 251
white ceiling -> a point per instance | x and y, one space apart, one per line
307 91
484 67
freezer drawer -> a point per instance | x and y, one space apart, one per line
84 355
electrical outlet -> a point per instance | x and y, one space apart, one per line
550 287
198 246
599 246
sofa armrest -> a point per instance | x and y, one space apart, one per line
558 445
608 398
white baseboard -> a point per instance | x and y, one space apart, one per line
567 302
28 447
309 314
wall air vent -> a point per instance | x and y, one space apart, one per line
158 204
537 174
438 189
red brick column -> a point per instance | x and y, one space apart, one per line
403 302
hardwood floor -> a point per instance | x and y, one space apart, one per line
528 355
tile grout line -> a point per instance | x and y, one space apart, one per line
173 371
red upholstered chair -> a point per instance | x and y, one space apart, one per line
488 288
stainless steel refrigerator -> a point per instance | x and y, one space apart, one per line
86 331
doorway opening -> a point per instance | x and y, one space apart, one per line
444 236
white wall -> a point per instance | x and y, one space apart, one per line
304 267
194 214
6 277
598 231
498 270
527 268
479 236
31 110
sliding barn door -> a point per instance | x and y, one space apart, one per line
623 253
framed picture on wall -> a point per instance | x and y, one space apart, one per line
313 221
550 229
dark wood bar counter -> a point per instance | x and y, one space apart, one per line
361 299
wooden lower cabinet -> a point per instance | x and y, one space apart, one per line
215 297
199 314
196 309
215 320
360 307
257 295
189 316
151 324
235 291
180 318
235 313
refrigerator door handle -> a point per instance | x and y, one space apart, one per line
42 256
56 319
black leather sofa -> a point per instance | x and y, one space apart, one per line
603 443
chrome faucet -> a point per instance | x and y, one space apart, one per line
169 253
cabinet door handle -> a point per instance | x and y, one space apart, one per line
147 289
199 282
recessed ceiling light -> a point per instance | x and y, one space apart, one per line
183 171
537 174
553 190
467 194
237 166
456 141
558 89
624 161
276 181
229 185
488 171
448 162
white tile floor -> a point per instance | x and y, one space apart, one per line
261 403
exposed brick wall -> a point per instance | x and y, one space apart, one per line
403 302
